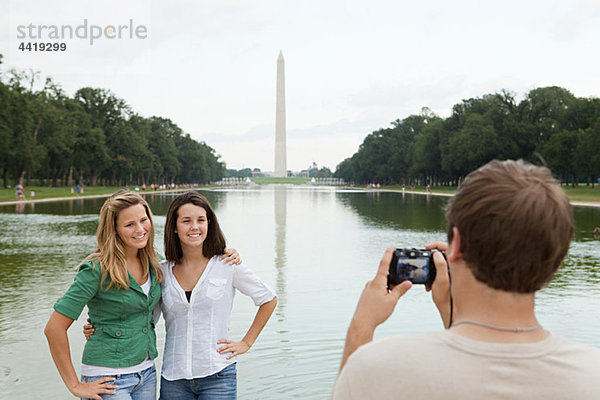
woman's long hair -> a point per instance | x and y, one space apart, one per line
111 250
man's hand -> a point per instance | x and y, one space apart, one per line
440 289
375 306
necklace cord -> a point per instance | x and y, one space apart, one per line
498 328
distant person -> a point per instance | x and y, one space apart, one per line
32 194
509 227
19 192
78 188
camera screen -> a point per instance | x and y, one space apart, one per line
415 270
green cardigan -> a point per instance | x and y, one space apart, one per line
124 329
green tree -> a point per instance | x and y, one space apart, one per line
58 134
90 156
110 114
5 130
473 145
587 154
426 151
559 152
163 133
345 170
23 119
549 110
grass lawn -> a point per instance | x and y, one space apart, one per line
583 193
45 192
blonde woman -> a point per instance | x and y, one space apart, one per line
120 284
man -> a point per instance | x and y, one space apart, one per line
509 228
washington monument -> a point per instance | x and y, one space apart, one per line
280 146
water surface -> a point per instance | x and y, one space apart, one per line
315 246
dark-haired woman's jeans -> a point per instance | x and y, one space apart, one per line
219 386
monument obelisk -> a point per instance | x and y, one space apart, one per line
280 145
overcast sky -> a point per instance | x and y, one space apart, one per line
351 66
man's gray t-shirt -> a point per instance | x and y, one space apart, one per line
444 365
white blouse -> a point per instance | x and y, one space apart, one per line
194 327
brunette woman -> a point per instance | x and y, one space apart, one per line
197 297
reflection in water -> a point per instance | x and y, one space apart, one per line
586 220
400 211
280 254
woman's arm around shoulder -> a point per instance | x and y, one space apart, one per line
231 256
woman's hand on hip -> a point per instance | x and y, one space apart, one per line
235 348
93 390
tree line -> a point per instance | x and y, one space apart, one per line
94 138
550 126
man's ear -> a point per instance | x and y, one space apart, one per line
454 253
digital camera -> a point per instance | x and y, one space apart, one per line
415 265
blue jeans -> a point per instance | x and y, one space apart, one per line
219 386
137 386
